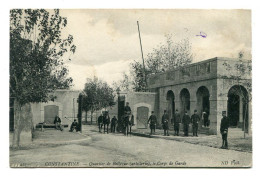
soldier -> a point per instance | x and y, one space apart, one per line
224 130
177 121
152 121
205 119
186 122
74 126
127 108
165 123
100 122
113 124
131 123
195 118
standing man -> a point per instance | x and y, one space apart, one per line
186 122
224 130
205 118
100 122
177 121
152 121
165 123
113 124
195 118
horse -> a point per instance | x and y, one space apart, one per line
106 122
128 123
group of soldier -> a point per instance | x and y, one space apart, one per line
176 121
128 121
186 120
104 121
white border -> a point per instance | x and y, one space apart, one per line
219 4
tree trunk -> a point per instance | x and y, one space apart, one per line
17 126
91 117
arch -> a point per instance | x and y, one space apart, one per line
203 95
185 101
237 107
203 104
170 103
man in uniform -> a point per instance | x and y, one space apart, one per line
152 121
177 121
74 126
195 118
100 122
205 118
224 130
165 123
186 122
127 109
113 124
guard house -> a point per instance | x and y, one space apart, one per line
205 85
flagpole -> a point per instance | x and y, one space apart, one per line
142 56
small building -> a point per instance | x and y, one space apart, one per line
209 85
64 104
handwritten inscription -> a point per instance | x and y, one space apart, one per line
202 34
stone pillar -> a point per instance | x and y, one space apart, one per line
213 116
162 106
249 118
222 103
240 122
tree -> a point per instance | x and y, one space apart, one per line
238 73
124 84
37 52
165 57
98 95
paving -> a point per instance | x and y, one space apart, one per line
236 138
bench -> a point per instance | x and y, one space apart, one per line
47 125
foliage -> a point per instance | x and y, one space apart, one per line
98 95
37 52
124 84
165 57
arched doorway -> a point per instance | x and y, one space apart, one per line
203 100
238 107
170 103
185 101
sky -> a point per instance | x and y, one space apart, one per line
107 40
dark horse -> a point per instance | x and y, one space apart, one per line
106 122
128 123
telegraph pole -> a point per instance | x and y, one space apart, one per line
142 56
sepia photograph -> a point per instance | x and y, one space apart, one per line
130 88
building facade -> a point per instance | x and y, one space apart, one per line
211 86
